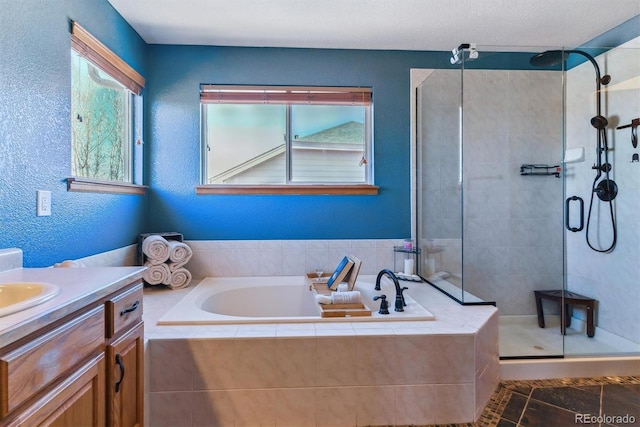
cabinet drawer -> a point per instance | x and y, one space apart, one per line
30 368
124 310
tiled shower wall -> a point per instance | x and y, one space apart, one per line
513 223
611 278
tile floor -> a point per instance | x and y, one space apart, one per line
602 402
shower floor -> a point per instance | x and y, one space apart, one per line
520 336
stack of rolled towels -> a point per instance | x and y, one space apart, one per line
165 261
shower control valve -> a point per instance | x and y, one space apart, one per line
606 167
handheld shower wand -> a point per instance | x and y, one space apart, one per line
606 189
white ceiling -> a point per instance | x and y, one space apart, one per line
375 24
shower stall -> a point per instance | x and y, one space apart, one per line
526 179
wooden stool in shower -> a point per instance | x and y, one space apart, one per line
570 299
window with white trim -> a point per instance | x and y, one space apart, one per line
286 135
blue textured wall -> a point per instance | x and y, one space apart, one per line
174 137
35 134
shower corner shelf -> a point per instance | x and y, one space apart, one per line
538 169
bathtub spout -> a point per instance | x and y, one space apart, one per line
399 305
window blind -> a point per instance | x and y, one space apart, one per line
284 95
92 49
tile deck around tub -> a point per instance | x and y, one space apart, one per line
448 318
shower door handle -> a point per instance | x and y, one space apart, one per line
566 213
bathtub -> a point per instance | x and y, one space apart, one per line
281 299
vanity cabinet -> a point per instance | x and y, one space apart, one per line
125 355
86 369
58 376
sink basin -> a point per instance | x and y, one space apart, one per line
18 296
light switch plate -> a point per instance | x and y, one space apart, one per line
43 203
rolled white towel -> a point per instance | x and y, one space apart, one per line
323 299
156 274
179 278
350 297
173 266
179 252
156 248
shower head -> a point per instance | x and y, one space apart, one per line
549 58
599 122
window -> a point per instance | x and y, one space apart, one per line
286 136
101 131
104 98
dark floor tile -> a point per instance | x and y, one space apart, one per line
505 423
620 400
524 389
581 400
539 414
514 407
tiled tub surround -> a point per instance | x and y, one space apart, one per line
322 374
226 258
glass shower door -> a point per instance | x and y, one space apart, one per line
490 233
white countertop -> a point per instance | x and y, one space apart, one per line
78 288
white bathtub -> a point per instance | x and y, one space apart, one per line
278 299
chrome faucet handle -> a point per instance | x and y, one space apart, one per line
384 306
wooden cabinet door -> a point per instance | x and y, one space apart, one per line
78 400
125 377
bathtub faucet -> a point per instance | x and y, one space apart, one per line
399 296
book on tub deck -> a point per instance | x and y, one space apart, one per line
353 273
340 273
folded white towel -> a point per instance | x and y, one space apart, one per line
179 252
156 274
179 278
156 248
